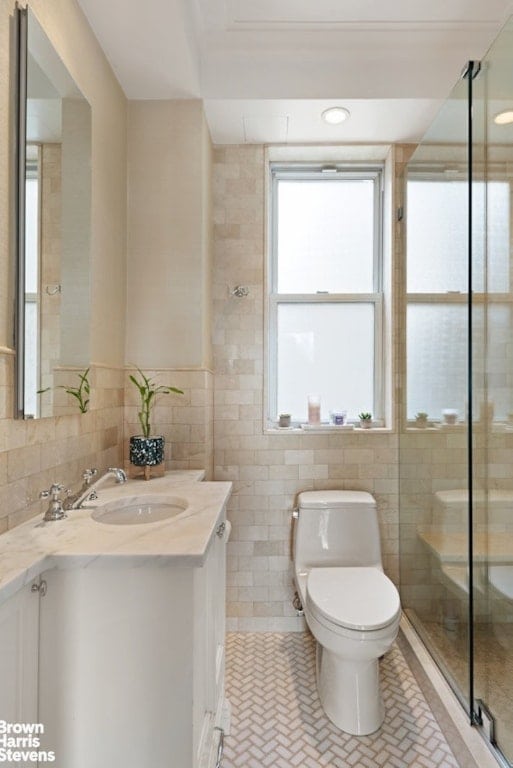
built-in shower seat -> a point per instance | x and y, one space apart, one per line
447 540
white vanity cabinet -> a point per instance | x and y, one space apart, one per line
19 630
132 661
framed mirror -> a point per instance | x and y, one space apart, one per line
53 217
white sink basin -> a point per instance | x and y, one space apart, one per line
139 510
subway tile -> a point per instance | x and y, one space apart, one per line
299 457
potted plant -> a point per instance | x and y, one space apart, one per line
365 419
146 450
421 419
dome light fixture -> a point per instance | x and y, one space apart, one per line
335 115
504 118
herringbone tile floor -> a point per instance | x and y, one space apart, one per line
277 720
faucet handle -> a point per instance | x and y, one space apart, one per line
55 510
88 474
53 491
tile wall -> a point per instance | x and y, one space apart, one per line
185 421
35 453
268 470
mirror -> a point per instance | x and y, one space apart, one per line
53 196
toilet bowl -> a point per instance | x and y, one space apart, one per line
352 609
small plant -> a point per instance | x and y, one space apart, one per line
365 416
81 393
421 420
148 390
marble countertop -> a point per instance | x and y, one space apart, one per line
79 541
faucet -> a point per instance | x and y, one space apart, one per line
88 491
87 476
55 509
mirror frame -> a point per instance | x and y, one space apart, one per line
20 127
26 29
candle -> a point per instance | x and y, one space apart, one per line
314 409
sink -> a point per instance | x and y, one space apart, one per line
140 510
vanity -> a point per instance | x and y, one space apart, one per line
112 634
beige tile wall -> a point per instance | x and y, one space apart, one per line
268 470
185 421
37 452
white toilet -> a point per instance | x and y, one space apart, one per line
352 609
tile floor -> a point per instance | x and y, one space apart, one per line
277 719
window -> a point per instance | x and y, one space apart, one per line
325 291
437 286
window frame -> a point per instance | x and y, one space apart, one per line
308 172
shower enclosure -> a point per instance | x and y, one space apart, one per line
456 466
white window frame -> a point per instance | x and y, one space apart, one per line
281 171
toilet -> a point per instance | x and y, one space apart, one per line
351 608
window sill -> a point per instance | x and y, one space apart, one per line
268 430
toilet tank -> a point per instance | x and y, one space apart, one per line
336 528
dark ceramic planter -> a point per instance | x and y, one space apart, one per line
146 451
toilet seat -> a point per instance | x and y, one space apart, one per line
359 598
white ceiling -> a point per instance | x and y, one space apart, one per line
267 68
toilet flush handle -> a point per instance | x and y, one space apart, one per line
293 519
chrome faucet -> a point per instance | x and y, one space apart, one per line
55 509
88 490
87 476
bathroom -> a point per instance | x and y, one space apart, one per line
178 221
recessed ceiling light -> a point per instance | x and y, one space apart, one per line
335 115
504 118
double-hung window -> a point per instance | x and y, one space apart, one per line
325 291
437 291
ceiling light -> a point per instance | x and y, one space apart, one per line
504 118
335 115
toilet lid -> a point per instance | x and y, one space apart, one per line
356 598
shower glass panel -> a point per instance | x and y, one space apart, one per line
492 355
456 474
433 462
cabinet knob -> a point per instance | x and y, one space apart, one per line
223 530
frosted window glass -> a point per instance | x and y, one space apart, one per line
437 237
327 349
497 231
31 234
493 355
437 359
325 236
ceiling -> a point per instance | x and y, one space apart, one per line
266 69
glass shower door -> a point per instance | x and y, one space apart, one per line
492 378
434 455
456 463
